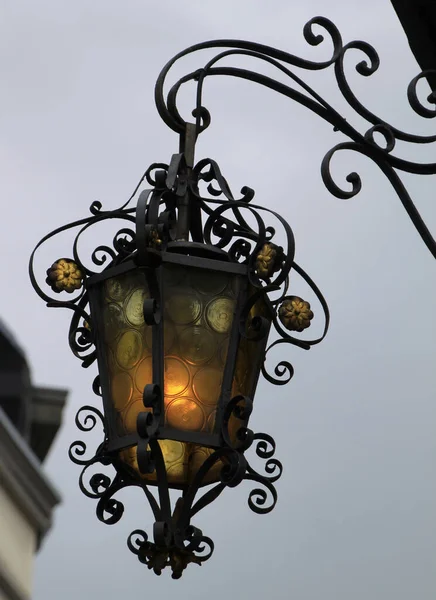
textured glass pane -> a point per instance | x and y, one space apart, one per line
250 354
176 456
198 315
248 362
199 307
128 346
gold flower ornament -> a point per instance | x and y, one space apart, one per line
295 314
269 261
64 276
154 240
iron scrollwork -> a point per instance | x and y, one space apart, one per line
366 142
177 543
218 221
192 205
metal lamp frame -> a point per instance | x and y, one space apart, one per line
176 221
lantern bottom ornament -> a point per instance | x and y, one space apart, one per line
176 542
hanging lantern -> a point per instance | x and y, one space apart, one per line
178 322
182 310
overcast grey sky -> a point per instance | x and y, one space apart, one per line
355 428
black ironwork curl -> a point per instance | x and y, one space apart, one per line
91 416
265 449
263 500
191 208
176 542
416 104
198 550
147 427
80 334
258 498
167 106
107 505
86 419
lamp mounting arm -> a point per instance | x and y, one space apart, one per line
378 148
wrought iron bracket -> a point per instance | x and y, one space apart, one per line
364 142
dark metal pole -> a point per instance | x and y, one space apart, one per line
187 146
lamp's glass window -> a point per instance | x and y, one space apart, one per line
198 316
128 346
198 319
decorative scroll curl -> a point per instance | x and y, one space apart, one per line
176 542
299 91
190 208
87 418
223 227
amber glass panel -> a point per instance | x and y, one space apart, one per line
248 361
198 316
127 345
199 307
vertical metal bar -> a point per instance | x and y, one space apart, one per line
232 352
158 338
96 306
162 482
187 146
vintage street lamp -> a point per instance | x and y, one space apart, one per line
178 311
